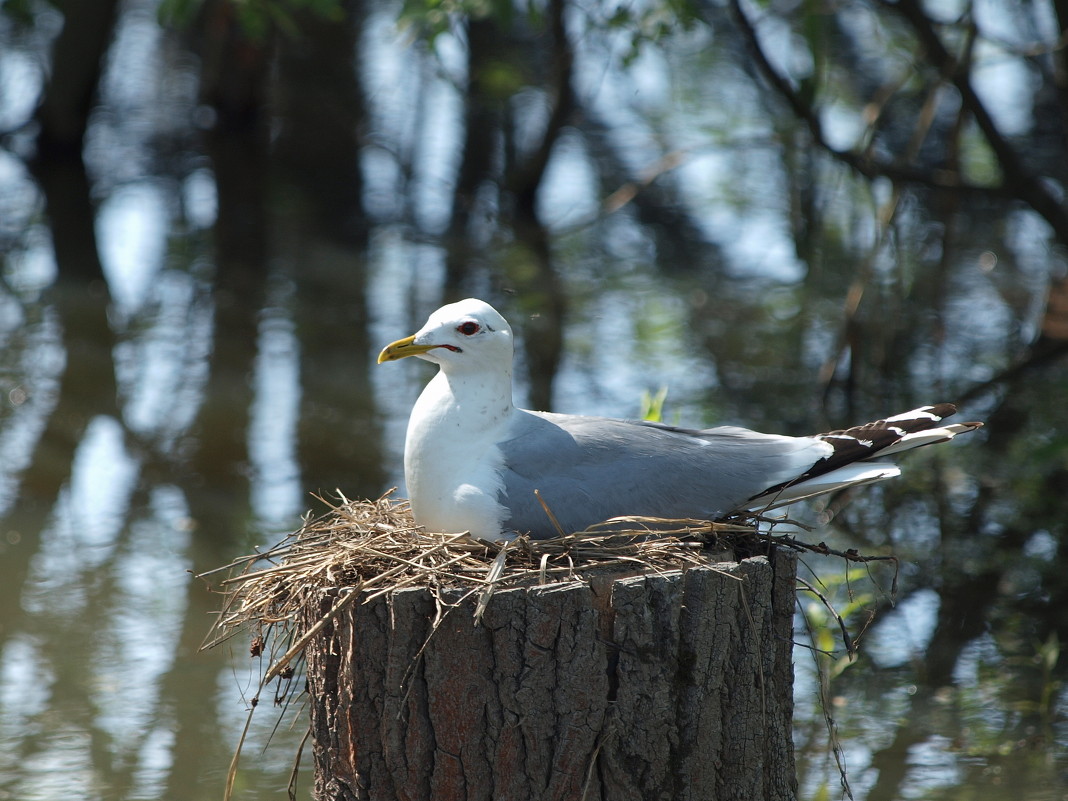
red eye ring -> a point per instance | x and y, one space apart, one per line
468 328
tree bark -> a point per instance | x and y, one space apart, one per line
673 686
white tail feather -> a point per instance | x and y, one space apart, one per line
920 438
847 476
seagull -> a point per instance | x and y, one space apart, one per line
474 462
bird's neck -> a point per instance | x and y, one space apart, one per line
467 400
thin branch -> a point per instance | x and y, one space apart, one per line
825 706
1018 183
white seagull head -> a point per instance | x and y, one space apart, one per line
467 335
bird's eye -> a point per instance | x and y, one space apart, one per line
468 328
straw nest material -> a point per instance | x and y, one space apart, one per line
364 549
368 548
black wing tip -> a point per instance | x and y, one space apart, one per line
940 411
923 417
865 441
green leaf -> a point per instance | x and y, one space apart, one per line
652 405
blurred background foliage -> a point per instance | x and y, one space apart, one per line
794 215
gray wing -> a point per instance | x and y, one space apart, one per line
588 469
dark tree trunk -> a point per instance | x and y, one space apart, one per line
673 686
77 64
323 232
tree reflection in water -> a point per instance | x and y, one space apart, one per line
792 219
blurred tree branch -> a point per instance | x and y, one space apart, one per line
1017 181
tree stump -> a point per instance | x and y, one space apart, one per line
674 686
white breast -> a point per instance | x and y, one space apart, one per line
452 463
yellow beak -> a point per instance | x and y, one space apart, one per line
401 349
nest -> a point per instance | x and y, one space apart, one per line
364 549
368 548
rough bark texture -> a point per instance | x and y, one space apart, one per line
675 686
